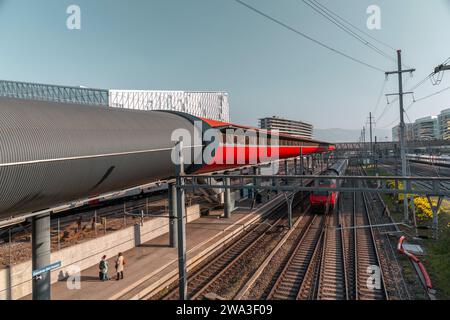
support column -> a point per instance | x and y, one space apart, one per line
253 191
40 252
321 162
289 200
435 210
295 165
227 198
286 167
173 215
290 214
302 162
181 224
274 181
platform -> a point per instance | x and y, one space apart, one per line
154 262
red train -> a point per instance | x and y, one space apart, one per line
326 200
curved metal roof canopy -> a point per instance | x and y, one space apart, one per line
53 153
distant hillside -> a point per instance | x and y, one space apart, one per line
349 135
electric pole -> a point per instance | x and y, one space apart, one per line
371 122
400 93
364 143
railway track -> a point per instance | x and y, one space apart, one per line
288 285
365 275
419 170
209 277
336 257
367 256
332 283
384 227
347 218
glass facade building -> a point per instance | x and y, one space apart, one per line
211 105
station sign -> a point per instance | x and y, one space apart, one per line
48 268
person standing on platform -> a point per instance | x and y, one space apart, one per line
120 263
103 266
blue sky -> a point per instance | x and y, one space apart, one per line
220 45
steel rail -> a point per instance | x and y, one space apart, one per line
332 282
311 235
221 263
344 259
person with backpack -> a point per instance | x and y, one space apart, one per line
120 263
103 266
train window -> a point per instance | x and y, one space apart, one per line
230 138
241 140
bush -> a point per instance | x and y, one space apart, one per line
423 209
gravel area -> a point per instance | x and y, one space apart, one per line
69 235
262 286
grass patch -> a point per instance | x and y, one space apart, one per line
437 260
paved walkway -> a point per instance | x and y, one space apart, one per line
152 263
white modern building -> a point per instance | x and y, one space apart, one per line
211 105
444 124
294 127
426 129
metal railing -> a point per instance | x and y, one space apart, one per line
433 186
55 93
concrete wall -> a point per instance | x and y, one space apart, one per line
86 254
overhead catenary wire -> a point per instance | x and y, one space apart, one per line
428 96
338 17
418 100
379 97
328 14
417 85
353 26
300 33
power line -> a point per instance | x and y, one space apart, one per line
328 14
429 96
379 96
386 108
352 25
306 36
396 99
417 100
421 82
